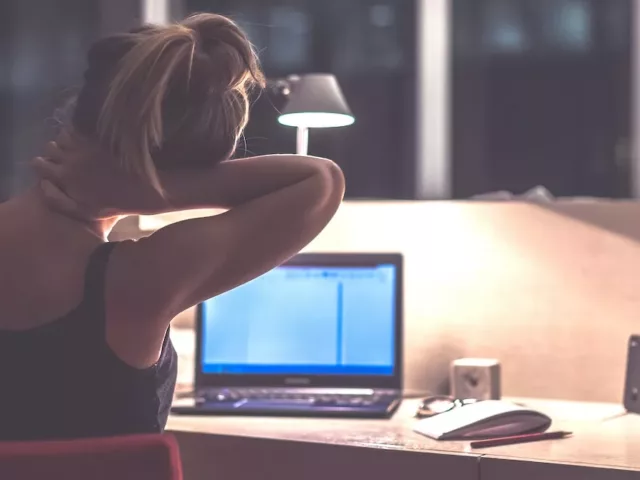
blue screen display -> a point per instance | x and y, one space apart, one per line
304 320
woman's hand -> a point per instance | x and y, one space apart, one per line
80 179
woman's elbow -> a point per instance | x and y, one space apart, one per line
333 183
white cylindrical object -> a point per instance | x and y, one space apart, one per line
302 140
433 163
155 11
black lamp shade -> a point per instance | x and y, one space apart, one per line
316 101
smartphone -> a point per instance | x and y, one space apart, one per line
632 383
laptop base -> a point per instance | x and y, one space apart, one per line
286 409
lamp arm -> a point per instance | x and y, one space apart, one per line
279 87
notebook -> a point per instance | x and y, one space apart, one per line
486 419
320 335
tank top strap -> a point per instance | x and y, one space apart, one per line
95 277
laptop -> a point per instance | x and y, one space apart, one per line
320 335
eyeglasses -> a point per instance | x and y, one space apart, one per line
437 404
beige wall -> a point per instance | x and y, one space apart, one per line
552 293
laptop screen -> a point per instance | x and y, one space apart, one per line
304 320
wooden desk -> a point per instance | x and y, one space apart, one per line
245 448
600 449
265 448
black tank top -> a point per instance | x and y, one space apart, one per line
61 380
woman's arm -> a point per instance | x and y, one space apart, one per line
90 184
277 204
234 182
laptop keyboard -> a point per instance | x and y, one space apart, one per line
297 396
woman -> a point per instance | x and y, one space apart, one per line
84 347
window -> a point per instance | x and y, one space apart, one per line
545 101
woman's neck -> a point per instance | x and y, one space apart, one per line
35 205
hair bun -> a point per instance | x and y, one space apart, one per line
228 52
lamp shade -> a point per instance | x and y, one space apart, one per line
316 101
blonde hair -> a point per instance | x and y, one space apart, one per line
169 96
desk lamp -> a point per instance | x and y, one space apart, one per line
314 101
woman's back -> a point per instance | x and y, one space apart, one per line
60 377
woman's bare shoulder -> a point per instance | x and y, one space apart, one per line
41 274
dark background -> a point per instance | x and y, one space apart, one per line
42 58
540 89
541 95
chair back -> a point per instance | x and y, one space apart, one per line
139 457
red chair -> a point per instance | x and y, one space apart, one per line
139 457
